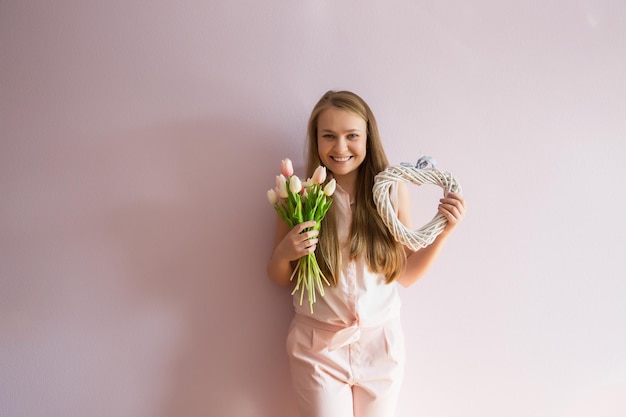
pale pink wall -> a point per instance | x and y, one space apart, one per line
137 142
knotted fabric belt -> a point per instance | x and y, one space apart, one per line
343 334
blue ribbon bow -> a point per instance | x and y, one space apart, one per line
424 162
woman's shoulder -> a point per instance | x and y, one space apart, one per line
403 204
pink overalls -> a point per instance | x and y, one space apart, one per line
347 358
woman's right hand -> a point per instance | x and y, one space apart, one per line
297 243
289 246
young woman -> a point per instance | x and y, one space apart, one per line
347 358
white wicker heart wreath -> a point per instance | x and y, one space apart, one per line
426 234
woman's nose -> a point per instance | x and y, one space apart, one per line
341 144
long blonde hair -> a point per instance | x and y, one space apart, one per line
369 236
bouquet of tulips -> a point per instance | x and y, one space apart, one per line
297 202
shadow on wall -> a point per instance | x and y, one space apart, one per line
198 241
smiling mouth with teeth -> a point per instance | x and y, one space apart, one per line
344 159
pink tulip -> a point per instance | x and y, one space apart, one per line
286 167
330 187
319 176
281 186
295 185
272 197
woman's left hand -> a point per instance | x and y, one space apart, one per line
452 207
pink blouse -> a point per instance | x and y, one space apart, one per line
361 299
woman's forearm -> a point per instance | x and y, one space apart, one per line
279 271
419 262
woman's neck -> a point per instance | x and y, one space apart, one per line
348 183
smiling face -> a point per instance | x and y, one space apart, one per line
341 142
